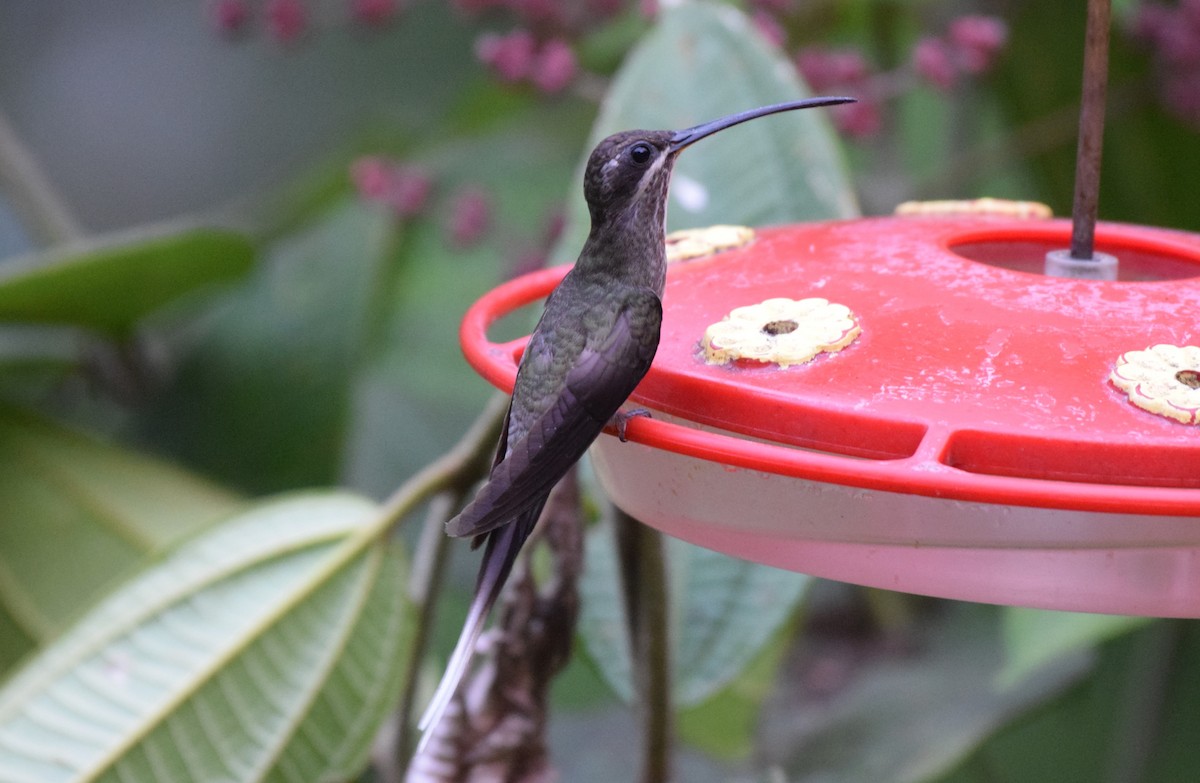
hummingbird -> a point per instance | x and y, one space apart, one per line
591 347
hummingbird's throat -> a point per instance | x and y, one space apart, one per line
651 176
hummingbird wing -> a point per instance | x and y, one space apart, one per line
599 382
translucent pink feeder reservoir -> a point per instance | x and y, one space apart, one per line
968 444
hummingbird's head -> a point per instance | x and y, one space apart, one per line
627 169
632 169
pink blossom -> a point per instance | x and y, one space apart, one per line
409 191
230 16
539 13
403 188
474 7
826 68
1181 96
470 217
859 120
932 62
510 56
555 66
374 13
977 41
605 9
371 177
287 20
768 27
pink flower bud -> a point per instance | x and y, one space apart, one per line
230 17
1181 96
470 217
539 13
858 120
474 7
977 41
824 68
525 262
932 62
1179 44
403 189
371 177
1190 10
555 66
374 13
409 190
769 28
510 56
287 20
604 9
556 223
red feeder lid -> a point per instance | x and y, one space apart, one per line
975 379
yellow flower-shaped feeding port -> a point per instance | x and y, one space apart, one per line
780 331
1163 379
692 243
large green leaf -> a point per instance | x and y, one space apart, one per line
858 710
702 61
725 725
110 283
723 612
1133 719
263 392
1034 638
269 648
75 513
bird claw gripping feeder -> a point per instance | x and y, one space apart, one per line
923 403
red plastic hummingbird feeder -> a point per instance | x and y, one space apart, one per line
971 442
968 444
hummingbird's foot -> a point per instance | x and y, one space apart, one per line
621 418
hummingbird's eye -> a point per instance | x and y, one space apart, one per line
641 153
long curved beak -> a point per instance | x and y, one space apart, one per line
684 138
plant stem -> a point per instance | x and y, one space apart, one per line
41 210
644 588
428 568
456 470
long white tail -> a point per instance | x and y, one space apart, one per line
456 667
499 554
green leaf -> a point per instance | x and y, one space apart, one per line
34 360
702 61
1034 638
856 710
726 724
1132 719
75 513
723 613
270 648
110 283
261 398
